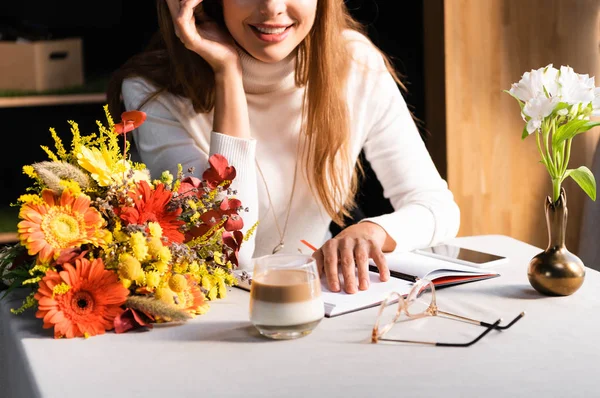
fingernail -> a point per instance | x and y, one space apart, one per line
335 287
364 284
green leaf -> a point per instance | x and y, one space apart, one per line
525 133
571 129
585 179
560 106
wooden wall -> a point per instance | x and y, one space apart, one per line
487 44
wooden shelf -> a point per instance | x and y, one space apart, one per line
47 100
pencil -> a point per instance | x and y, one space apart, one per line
308 244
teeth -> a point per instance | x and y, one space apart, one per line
271 31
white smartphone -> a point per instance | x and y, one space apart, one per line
461 255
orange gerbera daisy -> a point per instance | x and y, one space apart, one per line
80 301
193 297
61 222
152 206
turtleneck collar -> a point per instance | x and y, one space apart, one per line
261 77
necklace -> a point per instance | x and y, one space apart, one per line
281 232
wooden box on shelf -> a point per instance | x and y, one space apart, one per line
41 65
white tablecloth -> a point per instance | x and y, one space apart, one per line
553 351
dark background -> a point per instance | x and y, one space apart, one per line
114 30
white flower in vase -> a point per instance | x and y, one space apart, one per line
575 88
556 105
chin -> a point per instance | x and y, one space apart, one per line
270 57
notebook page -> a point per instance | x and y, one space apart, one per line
424 266
337 303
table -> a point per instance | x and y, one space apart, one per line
553 351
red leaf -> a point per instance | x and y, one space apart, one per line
218 171
131 319
130 120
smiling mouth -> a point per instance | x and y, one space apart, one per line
275 31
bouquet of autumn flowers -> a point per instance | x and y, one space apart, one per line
103 246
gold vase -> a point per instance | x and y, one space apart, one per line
556 271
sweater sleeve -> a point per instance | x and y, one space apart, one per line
425 212
166 140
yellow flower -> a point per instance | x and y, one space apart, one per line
207 282
59 223
161 266
29 171
218 258
194 268
129 267
29 198
164 254
213 293
141 175
192 205
71 186
166 177
137 240
152 279
177 283
155 229
154 246
103 165
107 237
165 295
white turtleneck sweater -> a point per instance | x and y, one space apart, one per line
425 212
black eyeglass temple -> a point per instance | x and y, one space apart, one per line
489 328
498 327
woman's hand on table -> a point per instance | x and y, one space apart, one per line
351 249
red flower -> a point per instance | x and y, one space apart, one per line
152 206
218 171
229 208
233 240
209 219
132 319
190 186
129 121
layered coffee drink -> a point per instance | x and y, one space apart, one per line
285 302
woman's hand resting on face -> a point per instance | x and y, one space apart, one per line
351 249
203 36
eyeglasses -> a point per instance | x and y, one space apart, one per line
419 303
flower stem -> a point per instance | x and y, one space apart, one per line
555 189
567 157
548 154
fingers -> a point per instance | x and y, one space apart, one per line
318 256
346 252
330 254
350 254
361 258
182 12
380 261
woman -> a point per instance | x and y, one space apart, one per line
290 92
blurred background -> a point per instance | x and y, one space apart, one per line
456 57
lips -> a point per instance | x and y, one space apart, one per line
271 33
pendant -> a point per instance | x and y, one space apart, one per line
278 248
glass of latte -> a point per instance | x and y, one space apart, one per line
285 296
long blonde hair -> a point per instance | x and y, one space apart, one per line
323 63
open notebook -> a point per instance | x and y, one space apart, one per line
404 268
